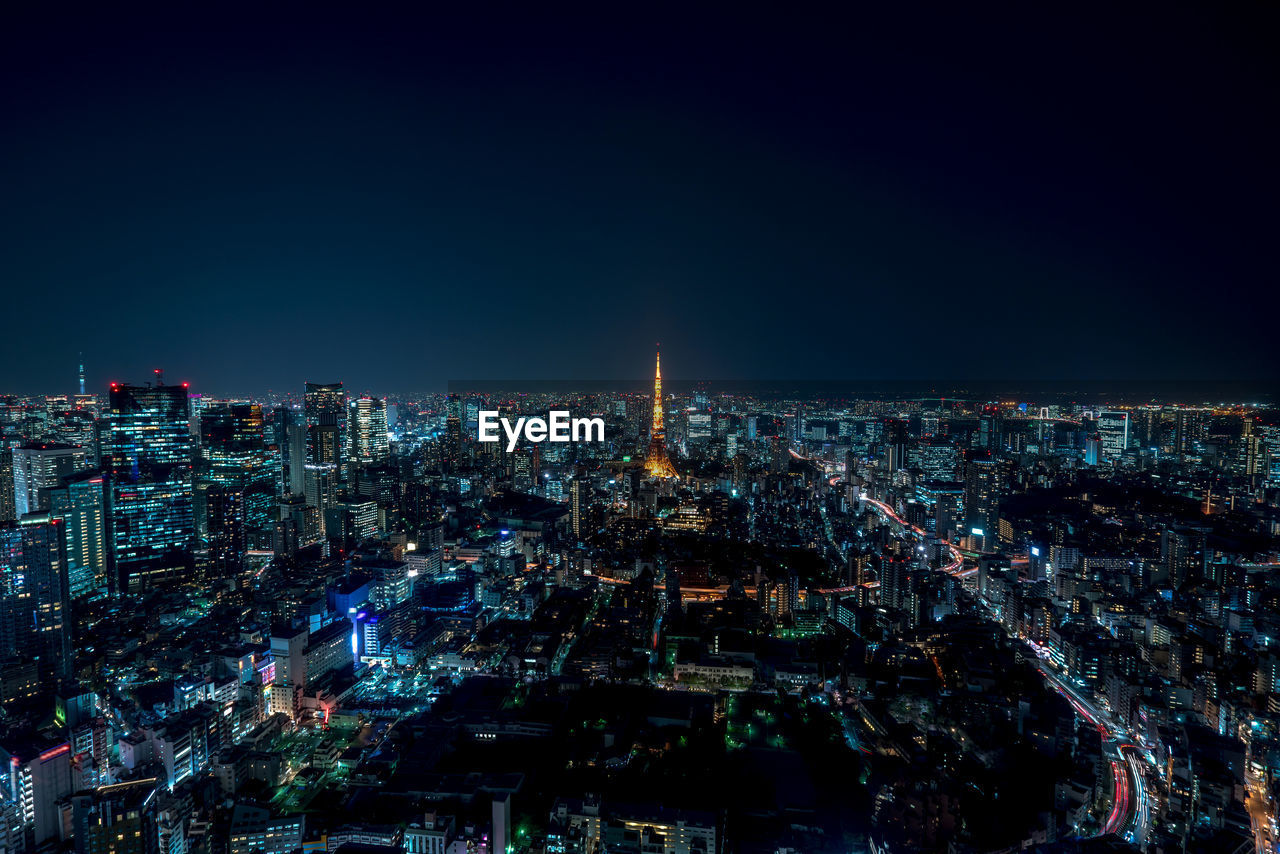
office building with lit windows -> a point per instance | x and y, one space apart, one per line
39 779
147 458
1113 435
369 431
235 456
80 504
325 409
33 595
39 467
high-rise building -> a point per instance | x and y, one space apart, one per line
1188 431
326 443
325 405
788 595
75 427
1093 450
1251 458
981 494
939 459
8 507
579 506
80 503
321 488
990 429
299 526
369 434
55 405
699 429
39 467
657 463
895 584
147 458
34 622
235 456
895 435
1269 435
40 778
115 819
1113 435
289 434
221 524
451 450
351 520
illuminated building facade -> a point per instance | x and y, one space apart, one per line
39 467
1113 435
369 434
80 504
8 509
33 595
40 778
147 458
325 408
234 455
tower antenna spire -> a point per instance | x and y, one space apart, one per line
657 462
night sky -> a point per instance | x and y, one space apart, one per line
251 199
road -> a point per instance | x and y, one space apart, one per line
1260 816
1130 814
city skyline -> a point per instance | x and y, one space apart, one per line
1066 608
1255 392
791 429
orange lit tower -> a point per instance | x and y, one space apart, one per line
657 463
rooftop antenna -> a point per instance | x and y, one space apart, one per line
159 372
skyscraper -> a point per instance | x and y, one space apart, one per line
80 503
234 455
451 451
320 486
1188 432
289 434
1113 435
223 526
1252 454
895 437
33 595
657 463
147 458
325 406
369 435
579 506
981 494
39 467
8 508
990 428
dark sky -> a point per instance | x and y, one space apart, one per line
252 199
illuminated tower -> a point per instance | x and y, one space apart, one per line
657 463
